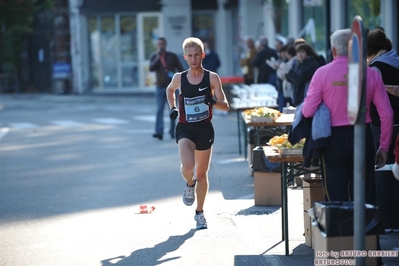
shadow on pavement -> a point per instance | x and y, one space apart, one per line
151 255
258 210
301 255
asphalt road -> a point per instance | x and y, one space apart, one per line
73 170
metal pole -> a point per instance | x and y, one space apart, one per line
359 188
360 156
285 207
239 130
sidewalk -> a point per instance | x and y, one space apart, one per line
269 229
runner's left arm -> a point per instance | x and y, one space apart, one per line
217 91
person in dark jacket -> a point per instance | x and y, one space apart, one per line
165 64
211 60
266 74
301 73
381 56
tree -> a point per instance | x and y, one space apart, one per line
276 10
16 18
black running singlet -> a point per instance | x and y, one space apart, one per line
192 108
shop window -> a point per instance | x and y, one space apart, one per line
204 28
94 38
128 51
151 35
109 52
315 25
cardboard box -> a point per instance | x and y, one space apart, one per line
307 224
312 191
267 188
324 245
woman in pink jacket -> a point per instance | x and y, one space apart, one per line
330 85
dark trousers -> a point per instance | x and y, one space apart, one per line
248 80
337 165
387 185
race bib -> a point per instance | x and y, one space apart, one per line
196 109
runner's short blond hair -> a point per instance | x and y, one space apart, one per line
192 42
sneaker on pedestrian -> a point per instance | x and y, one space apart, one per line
201 221
189 194
395 230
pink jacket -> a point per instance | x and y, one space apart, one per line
330 85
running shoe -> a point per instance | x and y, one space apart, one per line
201 221
189 194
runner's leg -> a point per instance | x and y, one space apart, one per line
202 160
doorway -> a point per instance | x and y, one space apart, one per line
119 50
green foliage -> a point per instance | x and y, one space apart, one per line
16 18
369 10
278 9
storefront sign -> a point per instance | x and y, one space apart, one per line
61 70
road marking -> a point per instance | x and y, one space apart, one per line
110 121
66 123
150 118
140 131
23 125
3 131
69 109
146 118
233 160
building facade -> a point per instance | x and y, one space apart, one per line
111 41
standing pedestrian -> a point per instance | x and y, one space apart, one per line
381 56
266 74
288 53
329 85
200 91
395 168
301 72
280 42
211 60
164 64
246 61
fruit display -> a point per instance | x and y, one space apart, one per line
282 142
278 140
261 112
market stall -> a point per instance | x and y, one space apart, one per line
291 166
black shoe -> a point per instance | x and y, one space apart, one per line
158 136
